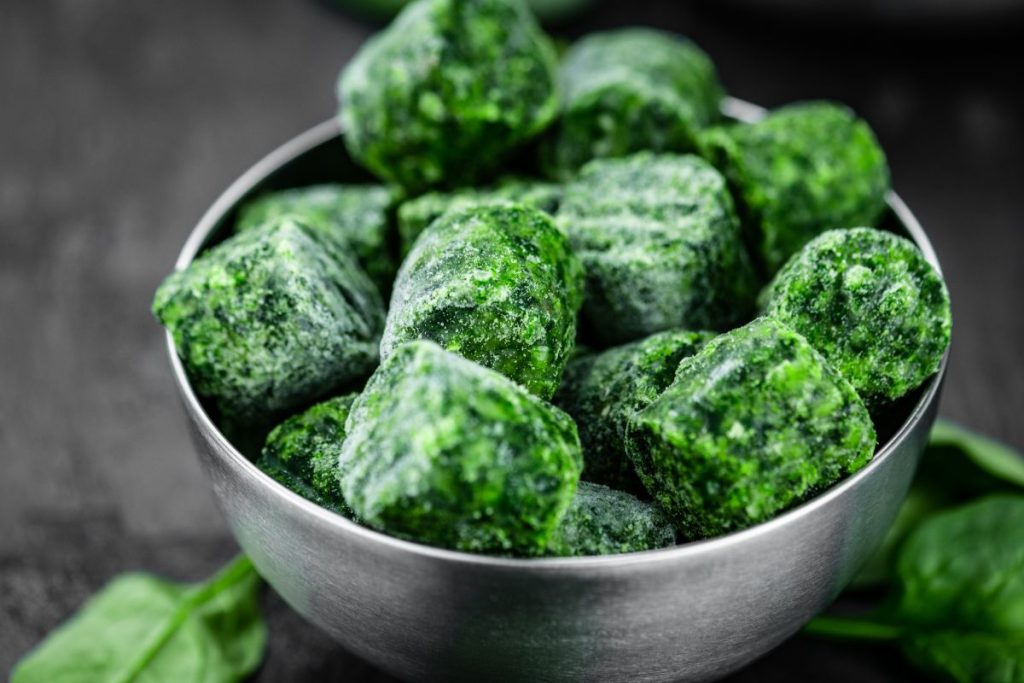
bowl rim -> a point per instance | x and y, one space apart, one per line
325 131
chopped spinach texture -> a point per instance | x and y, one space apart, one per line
803 169
603 521
271 319
302 452
447 91
602 391
356 216
449 453
661 245
871 304
629 90
497 284
753 424
416 214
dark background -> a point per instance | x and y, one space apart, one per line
120 122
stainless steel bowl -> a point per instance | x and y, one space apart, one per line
694 612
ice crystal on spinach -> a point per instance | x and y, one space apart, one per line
871 304
629 90
446 452
496 284
447 91
754 423
272 319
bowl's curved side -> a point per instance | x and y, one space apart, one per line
694 612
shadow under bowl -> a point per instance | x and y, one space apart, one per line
694 612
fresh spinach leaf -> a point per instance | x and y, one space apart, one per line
958 606
142 628
957 466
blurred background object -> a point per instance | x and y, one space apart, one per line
548 11
121 122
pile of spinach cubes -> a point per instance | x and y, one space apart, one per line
616 321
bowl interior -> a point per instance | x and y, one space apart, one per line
319 156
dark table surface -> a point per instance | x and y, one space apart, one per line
120 122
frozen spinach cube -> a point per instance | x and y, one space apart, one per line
871 304
447 91
630 90
803 169
302 452
755 423
272 319
603 521
446 452
661 245
602 392
356 216
416 214
496 284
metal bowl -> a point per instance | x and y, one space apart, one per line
694 612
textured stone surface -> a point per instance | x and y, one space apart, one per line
603 521
302 452
629 90
660 241
871 304
271 319
447 90
446 452
754 423
356 216
416 214
498 285
602 391
803 169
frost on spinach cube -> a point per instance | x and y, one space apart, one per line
272 319
754 423
661 245
356 216
416 214
603 521
602 392
871 304
302 452
629 90
496 284
803 169
446 452
447 91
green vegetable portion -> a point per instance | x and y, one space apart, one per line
141 628
602 392
958 466
302 452
871 304
661 245
447 91
498 285
356 216
755 423
446 452
603 521
803 169
272 319
629 90
416 214
958 608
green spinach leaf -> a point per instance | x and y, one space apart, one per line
958 607
957 466
141 628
